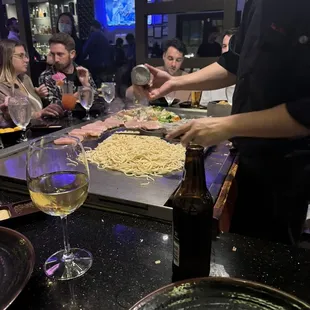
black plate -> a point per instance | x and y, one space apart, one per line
219 293
16 264
161 102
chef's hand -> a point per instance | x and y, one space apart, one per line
162 83
4 109
204 131
83 75
42 91
52 110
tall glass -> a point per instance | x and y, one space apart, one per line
195 98
58 181
68 99
86 96
20 112
108 93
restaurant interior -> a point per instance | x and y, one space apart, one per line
120 213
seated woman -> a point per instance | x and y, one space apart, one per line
15 82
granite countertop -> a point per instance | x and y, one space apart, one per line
132 257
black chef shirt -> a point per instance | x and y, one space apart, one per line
271 58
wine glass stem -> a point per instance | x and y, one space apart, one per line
87 114
23 135
67 252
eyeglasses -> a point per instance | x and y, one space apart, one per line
21 56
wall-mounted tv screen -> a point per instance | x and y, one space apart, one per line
120 12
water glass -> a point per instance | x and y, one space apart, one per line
86 96
20 111
108 93
170 98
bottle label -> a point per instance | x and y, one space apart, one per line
176 251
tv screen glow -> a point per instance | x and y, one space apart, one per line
120 12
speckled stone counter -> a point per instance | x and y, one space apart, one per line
132 257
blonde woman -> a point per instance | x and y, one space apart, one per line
15 82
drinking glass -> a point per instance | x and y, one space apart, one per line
68 99
170 98
20 112
86 96
58 181
108 93
196 97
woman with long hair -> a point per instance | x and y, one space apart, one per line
14 81
66 24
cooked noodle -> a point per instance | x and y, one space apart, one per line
138 156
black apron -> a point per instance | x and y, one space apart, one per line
273 176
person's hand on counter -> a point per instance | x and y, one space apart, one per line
52 110
83 75
204 131
276 122
42 91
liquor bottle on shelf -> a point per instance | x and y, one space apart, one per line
34 29
192 220
44 13
37 12
40 13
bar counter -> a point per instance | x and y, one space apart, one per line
132 257
132 247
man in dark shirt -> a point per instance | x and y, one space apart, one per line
269 63
62 49
97 49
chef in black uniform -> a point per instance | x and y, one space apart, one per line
269 60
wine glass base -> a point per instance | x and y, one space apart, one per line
60 267
22 140
87 118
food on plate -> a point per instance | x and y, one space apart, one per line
223 102
138 156
8 130
148 114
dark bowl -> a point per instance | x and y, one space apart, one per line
219 293
185 104
16 264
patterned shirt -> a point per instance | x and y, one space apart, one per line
54 93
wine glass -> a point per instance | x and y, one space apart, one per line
68 99
58 181
108 93
170 98
86 96
20 111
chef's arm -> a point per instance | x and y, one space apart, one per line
282 121
211 77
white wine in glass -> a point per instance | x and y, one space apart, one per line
58 181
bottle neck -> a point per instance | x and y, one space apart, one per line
194 179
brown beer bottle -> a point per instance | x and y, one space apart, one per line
192 220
